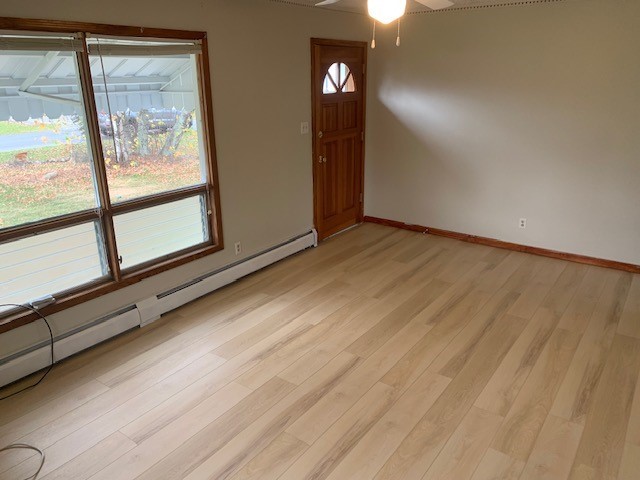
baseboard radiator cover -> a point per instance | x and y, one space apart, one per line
37 357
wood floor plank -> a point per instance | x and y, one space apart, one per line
576 317
498 466
368 456
192 452
554 450
537 288
156 447
633 430
252 441
332 447
464 450
565 289
420 270
522 425
630 321
451 360
502 389
420 448
283 357
93 460
319 417
630 465
207 385
356 321
265 328
576 392
217 309
415 247
270 463
449 319
392 323
49 412
605 429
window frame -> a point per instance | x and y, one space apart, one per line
105 212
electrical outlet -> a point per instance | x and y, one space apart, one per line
304 128
238 248
523 223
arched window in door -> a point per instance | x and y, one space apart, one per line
338 79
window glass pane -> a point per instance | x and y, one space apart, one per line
51 262
349 85
149 114
338 78
153 232
334 73
45 162
328 86
344 71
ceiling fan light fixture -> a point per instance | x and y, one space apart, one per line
386 11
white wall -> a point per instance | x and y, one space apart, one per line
260 65
485 116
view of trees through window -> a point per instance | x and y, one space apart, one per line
45 163
45 167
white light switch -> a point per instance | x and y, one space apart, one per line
304 128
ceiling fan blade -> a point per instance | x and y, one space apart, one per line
326 2
436 4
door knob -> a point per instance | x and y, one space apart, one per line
320 134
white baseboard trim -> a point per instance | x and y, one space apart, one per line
144 312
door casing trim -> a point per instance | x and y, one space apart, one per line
314 148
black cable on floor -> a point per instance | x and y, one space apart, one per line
20 446
34 310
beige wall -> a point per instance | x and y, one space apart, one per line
486 116
261 73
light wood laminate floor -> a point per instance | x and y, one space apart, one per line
382 354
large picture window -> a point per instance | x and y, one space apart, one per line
107 159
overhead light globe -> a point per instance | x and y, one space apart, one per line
386 11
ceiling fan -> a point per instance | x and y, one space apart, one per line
386 11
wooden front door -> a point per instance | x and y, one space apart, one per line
338 95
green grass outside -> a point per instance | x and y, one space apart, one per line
11 128
41 154
15 209
25 196
17 206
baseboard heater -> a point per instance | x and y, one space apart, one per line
37 357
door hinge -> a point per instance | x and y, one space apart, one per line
362 136
361 197
364 69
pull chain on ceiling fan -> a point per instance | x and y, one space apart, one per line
386 11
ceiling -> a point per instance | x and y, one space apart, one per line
360 6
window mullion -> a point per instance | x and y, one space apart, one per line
106 211
213 192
